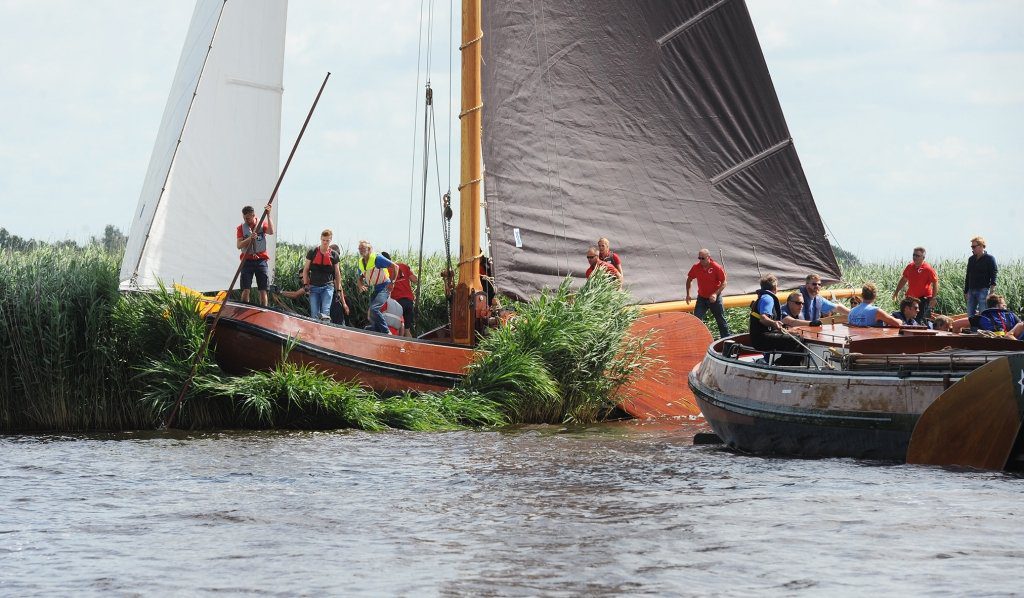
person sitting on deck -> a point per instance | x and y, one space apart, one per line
867 313
909 313
816 306
792 309
766 324
995 319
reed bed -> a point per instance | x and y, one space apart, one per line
563 358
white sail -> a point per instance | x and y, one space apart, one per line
218 148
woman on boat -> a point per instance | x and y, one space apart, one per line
604 253
867 313
321 277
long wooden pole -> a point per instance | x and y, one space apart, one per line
201 353
470 178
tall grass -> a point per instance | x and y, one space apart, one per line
61 359
563 357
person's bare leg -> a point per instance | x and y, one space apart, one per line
245 295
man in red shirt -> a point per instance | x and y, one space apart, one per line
254 252
401 291
711 281
597 263
922 283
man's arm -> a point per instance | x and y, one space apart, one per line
992 282
689 280
305 272
268 224
899 287
721 287
789 320
935 293
887 319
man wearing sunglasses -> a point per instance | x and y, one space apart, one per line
980 281
710 282
922 284
815 306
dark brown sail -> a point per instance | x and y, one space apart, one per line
653 123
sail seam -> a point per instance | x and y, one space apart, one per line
690 23
778 147
256 84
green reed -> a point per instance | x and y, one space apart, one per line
563 357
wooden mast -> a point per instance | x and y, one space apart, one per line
470 178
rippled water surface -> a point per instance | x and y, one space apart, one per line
608 510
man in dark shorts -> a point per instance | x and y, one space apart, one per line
254 252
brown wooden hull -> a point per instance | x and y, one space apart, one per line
253 338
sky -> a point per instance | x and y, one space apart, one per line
908 116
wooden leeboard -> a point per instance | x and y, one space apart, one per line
975 422
680 341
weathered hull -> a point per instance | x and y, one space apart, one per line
768 410
252 338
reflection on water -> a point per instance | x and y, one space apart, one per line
607 510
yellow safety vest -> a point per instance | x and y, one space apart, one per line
372 274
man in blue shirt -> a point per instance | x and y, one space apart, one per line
815 306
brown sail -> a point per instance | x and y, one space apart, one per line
653 123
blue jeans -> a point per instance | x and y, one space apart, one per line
976 301
320 300
703 304
377 300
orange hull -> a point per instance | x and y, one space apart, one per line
253 338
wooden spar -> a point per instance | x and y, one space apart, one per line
470 178
975 422
735 301
201 353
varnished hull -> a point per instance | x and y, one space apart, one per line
252 338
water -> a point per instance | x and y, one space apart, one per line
608 510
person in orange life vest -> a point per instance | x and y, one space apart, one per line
604 253
255 256
922 284
321 277
402 291
596 263
375 276
711 281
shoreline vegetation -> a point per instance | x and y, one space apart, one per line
77 355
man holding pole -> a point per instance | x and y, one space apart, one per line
255 257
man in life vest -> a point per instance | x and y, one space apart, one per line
767 321
995 319
254 257
374 276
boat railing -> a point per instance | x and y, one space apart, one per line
735 350
934 361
